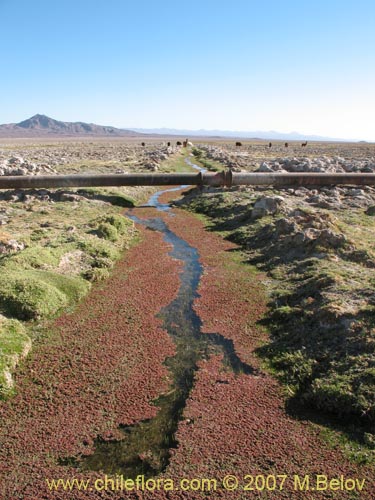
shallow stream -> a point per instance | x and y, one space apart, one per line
146 446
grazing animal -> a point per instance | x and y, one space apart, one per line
185 143
270 144
178 143
304 144
238 144
286 144
143 144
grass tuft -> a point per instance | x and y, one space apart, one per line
35 294
14 345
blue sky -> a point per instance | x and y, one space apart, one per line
284 65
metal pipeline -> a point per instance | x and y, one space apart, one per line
298 179
224 178
89 180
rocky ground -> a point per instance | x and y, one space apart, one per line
83 157
257 155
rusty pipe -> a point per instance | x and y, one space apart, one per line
90 180
224 178
298 179
93 180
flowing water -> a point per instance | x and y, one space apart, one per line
146 446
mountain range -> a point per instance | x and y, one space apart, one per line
44 126
238 134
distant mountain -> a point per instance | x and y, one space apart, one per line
44 126
271 134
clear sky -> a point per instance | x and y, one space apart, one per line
281 65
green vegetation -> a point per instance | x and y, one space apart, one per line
107 231
203 161
176 163
357 446
115 196
14 344
38 294
294 367
98 249
111 227
35 257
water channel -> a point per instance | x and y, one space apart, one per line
146 446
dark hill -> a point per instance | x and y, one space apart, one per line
42 126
